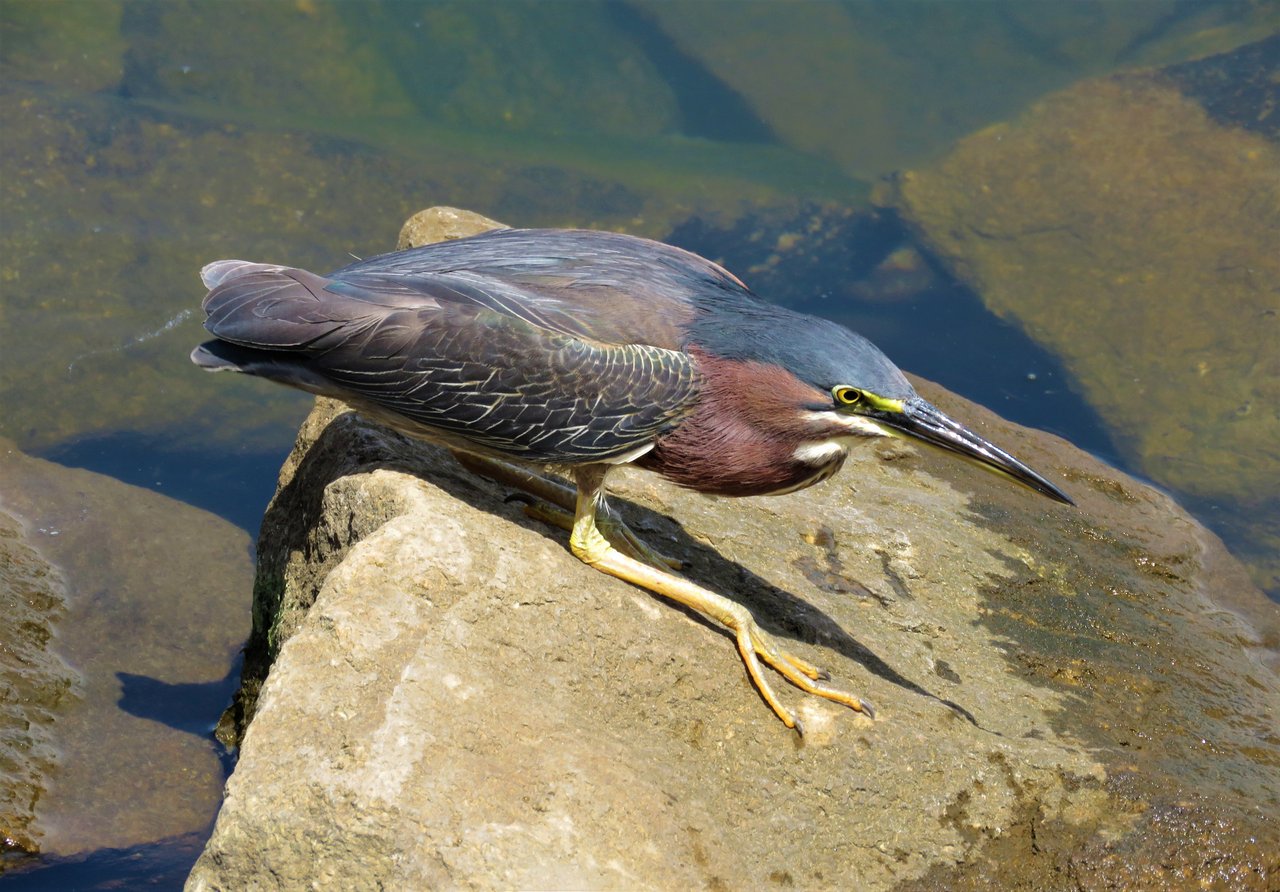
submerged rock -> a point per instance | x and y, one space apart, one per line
1130 225
34 681
148 600
876 85
448 698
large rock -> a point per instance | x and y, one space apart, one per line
1068 697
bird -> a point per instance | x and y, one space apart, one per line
583 351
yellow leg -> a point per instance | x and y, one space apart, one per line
587 542
561 506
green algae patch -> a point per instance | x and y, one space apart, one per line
35 682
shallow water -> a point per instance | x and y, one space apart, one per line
141 140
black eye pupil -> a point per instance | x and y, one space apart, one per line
849 396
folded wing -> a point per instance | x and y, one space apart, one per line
462 360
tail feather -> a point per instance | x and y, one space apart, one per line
220 356
214 274
272 307
210 357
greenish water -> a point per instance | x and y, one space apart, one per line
140 140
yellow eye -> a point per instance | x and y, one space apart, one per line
847 396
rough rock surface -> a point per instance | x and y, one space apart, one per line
455 701
442 224
1130 225
1066 697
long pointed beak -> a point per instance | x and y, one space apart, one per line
924 422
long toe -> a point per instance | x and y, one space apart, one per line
804 674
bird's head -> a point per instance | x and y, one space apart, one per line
864 412
870 396
855 391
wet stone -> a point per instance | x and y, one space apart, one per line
35 683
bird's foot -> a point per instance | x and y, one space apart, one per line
622 538
754 644
801 673
606 543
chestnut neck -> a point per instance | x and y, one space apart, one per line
742 438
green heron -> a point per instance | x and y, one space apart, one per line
587 350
